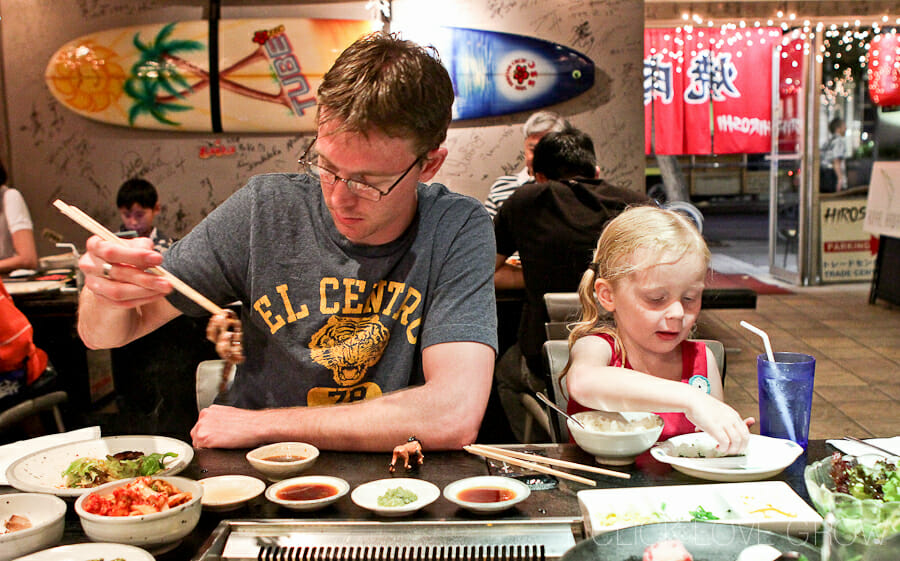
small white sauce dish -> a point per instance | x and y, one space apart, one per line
337 483
486 486
366 495
45 513
223 493
271 459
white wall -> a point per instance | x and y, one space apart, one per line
55 153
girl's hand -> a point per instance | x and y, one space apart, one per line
723 423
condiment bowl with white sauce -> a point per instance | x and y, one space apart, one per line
308 492
615 438
283 459
223 493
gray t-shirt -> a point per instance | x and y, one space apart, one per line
328 321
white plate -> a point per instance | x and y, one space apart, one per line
89 552
336 482
366 495
765 457
41 471
769 505
229 492
520 492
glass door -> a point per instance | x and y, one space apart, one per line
788 192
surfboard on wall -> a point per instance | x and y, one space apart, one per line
267 71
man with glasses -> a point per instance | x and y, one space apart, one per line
368 310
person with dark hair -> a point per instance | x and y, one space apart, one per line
537 125
17 247
138 204
554 224
833 157
367 307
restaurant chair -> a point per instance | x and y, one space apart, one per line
562 306
37 402
556 330
208 380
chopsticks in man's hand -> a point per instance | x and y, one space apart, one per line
95 227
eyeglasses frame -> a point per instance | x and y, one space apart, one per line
303 161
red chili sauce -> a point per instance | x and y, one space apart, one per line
284 458
306 492
486 495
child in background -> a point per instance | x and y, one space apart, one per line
138 205
649 271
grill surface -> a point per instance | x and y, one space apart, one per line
293 540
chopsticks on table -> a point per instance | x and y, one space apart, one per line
870 445
95 227
533 462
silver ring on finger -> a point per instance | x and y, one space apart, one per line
107 269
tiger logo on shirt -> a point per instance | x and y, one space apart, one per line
348 346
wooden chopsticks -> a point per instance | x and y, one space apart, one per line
95 227
533 462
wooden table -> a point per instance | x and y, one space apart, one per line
440 468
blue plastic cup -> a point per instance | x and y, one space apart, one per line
785 395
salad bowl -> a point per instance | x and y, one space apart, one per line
857 513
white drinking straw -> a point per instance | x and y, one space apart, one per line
765 338
782 406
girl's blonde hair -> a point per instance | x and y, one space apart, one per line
665 233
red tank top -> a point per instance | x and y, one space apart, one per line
693 366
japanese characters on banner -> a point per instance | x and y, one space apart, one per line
708 90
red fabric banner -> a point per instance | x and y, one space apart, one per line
663 116
721 84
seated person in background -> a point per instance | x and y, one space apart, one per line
368 311
553 224
537 125
17 247
649 271
139 206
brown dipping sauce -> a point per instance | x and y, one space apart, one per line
284 458
486 495
306 492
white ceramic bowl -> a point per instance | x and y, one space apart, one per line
47 515
366 495
275 470
229 492
615 448
90 552
339 486
154 531
458 491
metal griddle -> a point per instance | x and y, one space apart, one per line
295 540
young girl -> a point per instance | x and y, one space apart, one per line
649 271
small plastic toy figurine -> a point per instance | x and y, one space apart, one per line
412 448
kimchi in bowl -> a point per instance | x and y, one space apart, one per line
149 512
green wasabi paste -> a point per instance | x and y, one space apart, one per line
397 496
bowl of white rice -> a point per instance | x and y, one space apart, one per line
615 438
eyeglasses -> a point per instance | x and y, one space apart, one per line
359 188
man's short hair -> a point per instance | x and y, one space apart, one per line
565 155
544 121
384 83
834 124
138 191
